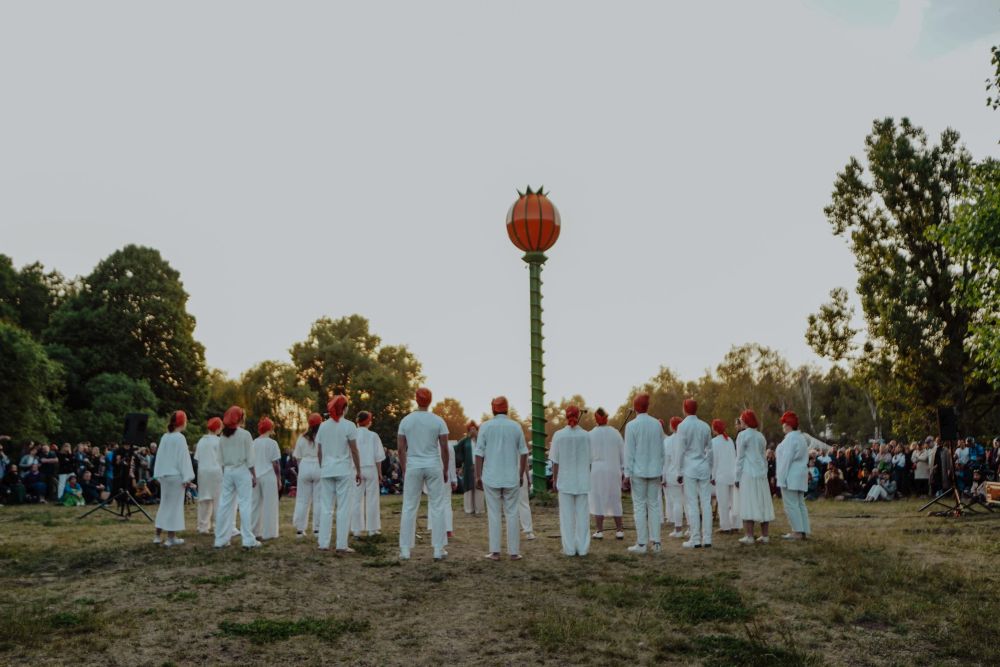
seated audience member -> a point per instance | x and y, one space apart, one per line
813 481
883 489
72 492
12 491
978 489
834 482
92 491
143 495
34 485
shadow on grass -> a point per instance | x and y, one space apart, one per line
265 631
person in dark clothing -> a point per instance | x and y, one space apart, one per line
49 470
92 491
34 485
12 490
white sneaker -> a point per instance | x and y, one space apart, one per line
176 542
599 535
657 547
256 545
441 556
529 536
620 535
157 540
746 539
404 555
763 540
676 533
690 544
637 549
789 536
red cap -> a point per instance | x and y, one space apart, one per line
601 417
572 415
180 419
749 417
315 419
791 419
674 423
265 425
499 405
364 418
214 424
336 407
641 403
719 427
690 406
423 397
233 417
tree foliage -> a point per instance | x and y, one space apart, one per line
111 397
453 414
29 385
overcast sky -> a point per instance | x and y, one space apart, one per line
308 159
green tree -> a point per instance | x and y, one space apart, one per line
272 389
453 414
555 415
29 297
110 397
29 386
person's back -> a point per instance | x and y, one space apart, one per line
695 448
499 444
423 430
644 447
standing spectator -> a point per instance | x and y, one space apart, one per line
49 468
4 460
29 459
900 467
34 485
12 491
66 466
772 471
921 469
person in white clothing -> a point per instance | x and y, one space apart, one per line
751 479
366 504
694 471
644 474
673 492
339 469
607 466
571 478
206 453
792 459
451 484
174 472
501 461
724 474
424 453
238 480
307 484
524 506
267 456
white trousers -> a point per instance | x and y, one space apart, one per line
473 502
307 496
524 507
725 495
265 507
413 484
675 504
795 510
170 512
366 503
209 488
574 523
335 493
646 506
237 489
507 498
698 493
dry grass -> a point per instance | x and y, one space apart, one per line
879 585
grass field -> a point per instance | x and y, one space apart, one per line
880 585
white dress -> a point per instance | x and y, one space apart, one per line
173 469
751 472
607 456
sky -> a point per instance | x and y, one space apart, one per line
309 159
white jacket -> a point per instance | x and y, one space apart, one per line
792 458
694 451
750 459
723 461
644 447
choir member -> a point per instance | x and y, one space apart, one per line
643 474
238 480
174 472
307 483
570 456
370 453
607 453
792 476
674 492
524 505
206 453
694 468
724 474
501 461
267 457
340 467
751 479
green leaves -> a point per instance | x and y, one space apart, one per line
29 385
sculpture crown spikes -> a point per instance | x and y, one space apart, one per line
533 222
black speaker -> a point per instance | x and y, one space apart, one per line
135 429
948 423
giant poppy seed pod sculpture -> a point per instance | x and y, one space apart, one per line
533 226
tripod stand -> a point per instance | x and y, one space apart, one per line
124 500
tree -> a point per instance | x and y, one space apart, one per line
555 415
111 396
666 396
129 316
993 83
453 414
29 297
891 213
29 386
272 389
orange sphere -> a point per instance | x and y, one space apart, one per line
533 222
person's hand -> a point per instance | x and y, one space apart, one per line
479 484
253 481
680 480
626 484
713 482
357 479
444 473
737 485
454 486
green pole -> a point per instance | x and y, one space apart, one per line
535 261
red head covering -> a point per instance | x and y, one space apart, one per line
601 417
364 418
499 405
791 419
233 417
180 419
641 403
749 417
690 406
336 407
674 423
423 397
572 415
214 424
719 427
265 425
315 419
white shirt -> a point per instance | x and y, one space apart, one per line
723 460
265 452
750 458
333 438
670 473
644 447
422 430
370 449
173 457
501 445
206 453
237 449
607 448
305 449
694 448
571 452
792 458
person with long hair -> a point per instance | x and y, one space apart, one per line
371 453
267 456
724 474
238 480
751 479
206 453
337 440
792 456
174 472
306 453
607 451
